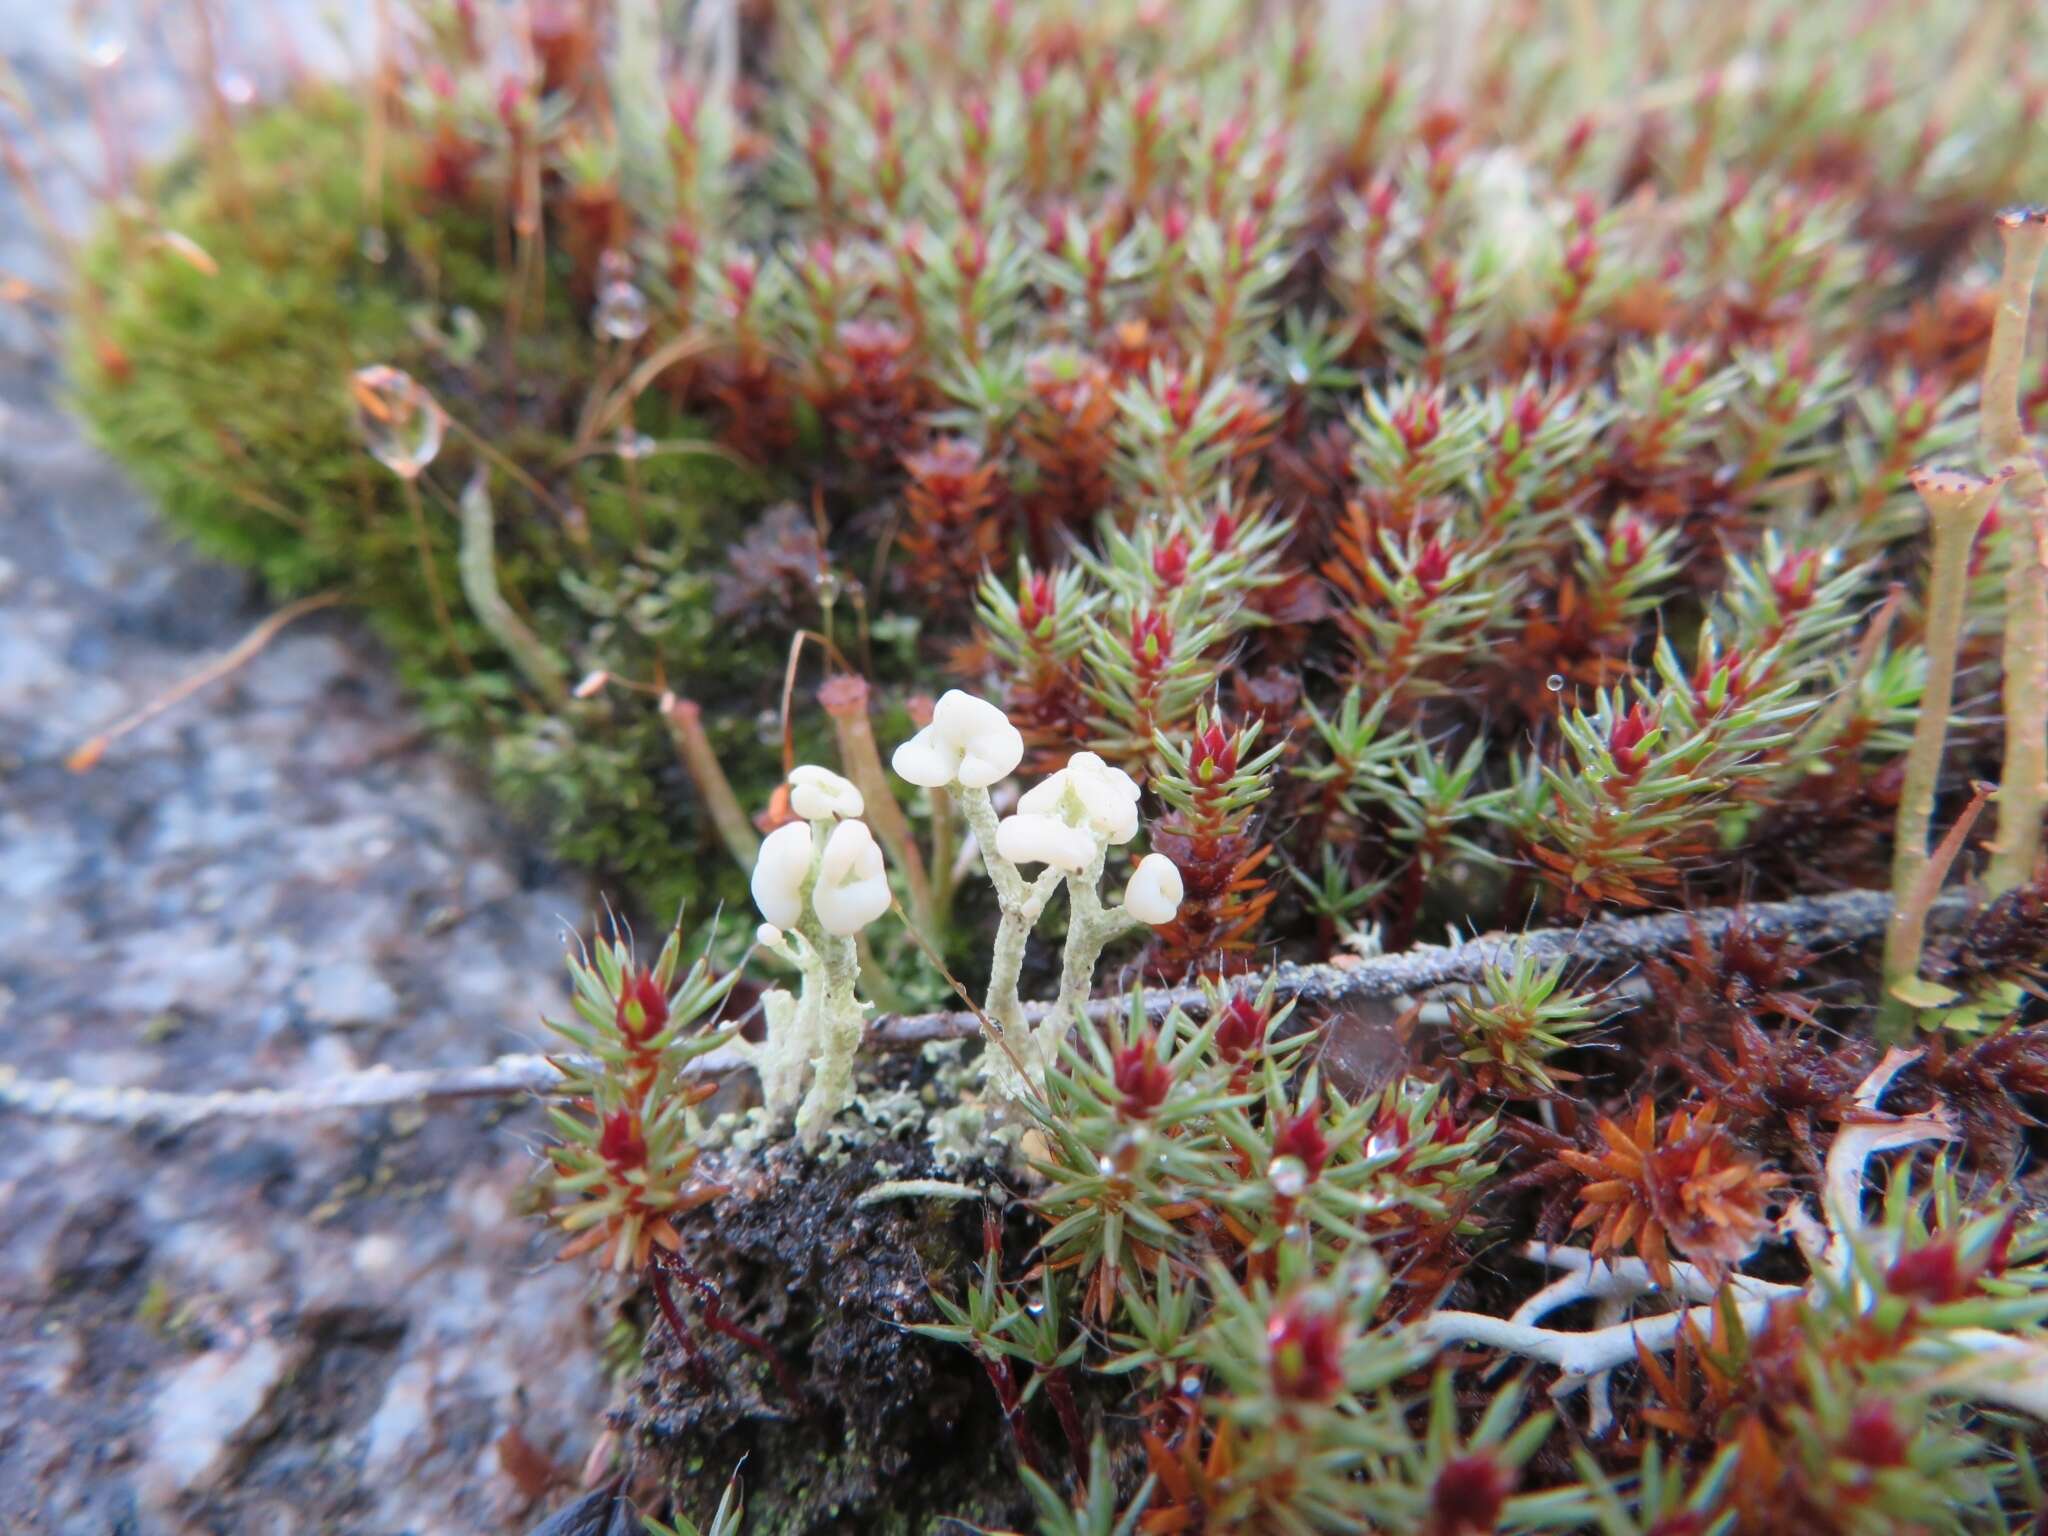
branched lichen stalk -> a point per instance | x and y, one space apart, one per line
1019 903
2023 784
1838 920
1090 929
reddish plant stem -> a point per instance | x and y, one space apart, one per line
657 1282
716 1320
1004 1380
1059 1386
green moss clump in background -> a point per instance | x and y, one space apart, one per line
225 395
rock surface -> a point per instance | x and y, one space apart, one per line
343 1325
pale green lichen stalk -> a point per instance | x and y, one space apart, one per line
821 879
818 881
1068 823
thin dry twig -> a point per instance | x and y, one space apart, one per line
88 752
1841 919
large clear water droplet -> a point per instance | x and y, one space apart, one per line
1554 682
1288 1175
621 313
398 420
105 49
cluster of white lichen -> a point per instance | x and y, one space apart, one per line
821 879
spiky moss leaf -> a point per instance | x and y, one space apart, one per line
228 403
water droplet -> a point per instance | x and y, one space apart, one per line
1191 1386
1381 1143
621 312
375 244
1288 1175
236 88
1368 1274
1295 1232
1035 1306
1104 1165
398 420
633 445
104 50
1554 682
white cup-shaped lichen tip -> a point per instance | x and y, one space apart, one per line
969 742
1089 793
780 870
816 792
1155 890
853 886
1026 839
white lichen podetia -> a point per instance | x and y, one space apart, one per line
820 880
969 742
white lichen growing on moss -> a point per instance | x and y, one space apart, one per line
821 880
818 882
1068 822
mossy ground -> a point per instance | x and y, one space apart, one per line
895 1431
224 393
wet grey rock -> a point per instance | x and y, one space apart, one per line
201 1409
291 1327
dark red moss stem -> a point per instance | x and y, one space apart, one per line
716 1320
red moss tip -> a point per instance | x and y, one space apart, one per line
1306 1348
1931 1273
1035 601
621 1143
1241 1028
1215 755
643 1007
1301 1137
1170 562
1468 1496
1874 1438
1141 1077
1624 742
1432 566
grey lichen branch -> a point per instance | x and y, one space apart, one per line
1842 919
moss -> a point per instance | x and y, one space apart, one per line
894 1432
225 395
